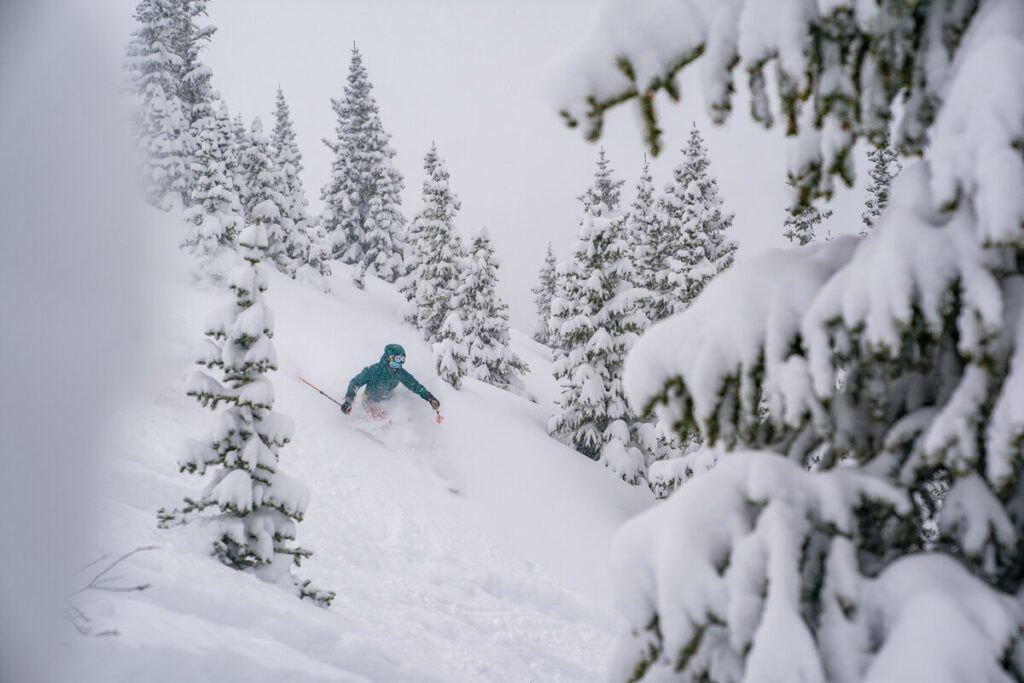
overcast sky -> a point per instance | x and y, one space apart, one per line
470 75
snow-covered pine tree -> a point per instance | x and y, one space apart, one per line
215 213
363 212
239 142
543 293
307 244
885 365
439 250
598 317
318 253
265 198
647 242
802 219
450 350
249 504
175 92
556 342
190 38
642 238
485 319
707 247
885 165
686 239
161 124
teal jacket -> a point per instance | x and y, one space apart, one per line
380 379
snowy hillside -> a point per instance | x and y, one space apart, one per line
505 580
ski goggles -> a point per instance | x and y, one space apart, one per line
396 361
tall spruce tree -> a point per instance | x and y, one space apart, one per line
485 317
174 91
707 248
599 316
363 212
802 219
240 141
250 505
161 121
265 199
543 293
666 265
646 240
190 38
439 250
885 165
215 212
643 234
307 244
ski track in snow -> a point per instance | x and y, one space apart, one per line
505 581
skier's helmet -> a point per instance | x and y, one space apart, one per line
395 355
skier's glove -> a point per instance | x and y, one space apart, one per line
346 407
434 403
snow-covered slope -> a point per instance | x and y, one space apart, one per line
505 580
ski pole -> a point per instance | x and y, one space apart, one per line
440 417
317 389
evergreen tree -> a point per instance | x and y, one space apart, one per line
685 244
161 122
885 166
363 198
646 240
318 252
215 213
485 318
543 293
559 298
195 90
708 250
240 141
450 350
845 387
643 232
251 505
439 250
307 245
265 199
174 92
598 318
801 220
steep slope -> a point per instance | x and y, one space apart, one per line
504 581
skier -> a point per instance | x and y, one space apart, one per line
380 379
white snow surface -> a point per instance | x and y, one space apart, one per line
506 580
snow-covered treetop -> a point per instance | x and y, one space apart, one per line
957 67
605 193
441 204
283 138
